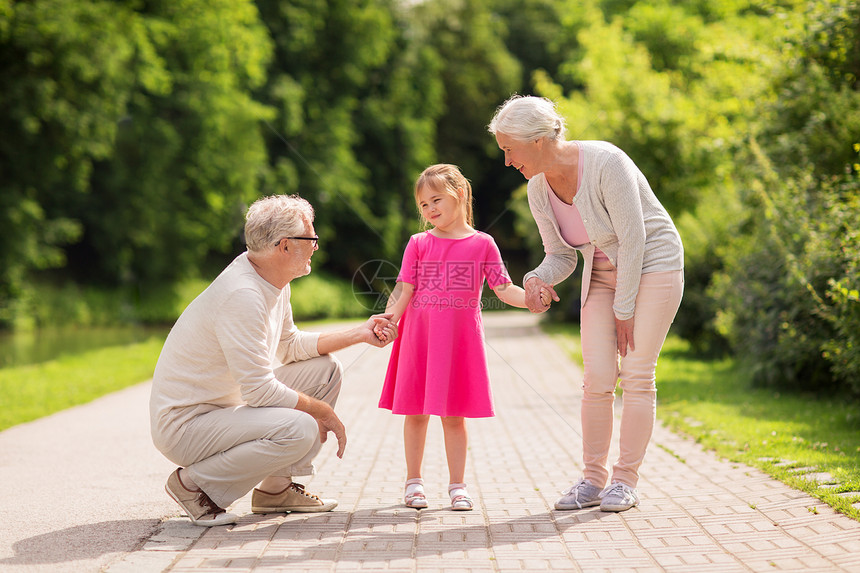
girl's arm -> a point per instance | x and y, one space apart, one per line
513 295
398 301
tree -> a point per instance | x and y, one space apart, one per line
789 288
543 36
189 151
66 84
356 101
816 117
478 74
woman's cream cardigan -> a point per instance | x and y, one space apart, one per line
622 217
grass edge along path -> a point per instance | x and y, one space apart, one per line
808 443
32 391
36 390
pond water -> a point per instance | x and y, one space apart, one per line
21 348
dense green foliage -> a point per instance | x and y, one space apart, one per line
788 292
135 134
745 117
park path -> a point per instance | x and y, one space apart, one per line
83 492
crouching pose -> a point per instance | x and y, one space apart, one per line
240 395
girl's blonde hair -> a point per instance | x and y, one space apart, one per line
448 178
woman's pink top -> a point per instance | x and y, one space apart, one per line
570 221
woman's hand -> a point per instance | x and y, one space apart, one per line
534 289
624 332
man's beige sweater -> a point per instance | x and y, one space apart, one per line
223 350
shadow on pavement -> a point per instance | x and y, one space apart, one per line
370 539
82 542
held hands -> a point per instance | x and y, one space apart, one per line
385 331
381 330
539 295
545 297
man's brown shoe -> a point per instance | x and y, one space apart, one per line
293 498
197 505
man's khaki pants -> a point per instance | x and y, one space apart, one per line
229 451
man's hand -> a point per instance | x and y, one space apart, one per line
326 419
333 341
624 333
332 423
538 295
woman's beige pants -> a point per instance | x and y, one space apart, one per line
656 305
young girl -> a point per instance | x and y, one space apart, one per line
438 364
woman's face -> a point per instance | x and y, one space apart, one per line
524 156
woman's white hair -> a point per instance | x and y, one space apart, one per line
272 218
526 118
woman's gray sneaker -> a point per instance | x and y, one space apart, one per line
618 497
582 494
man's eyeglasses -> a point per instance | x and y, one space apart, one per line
316 240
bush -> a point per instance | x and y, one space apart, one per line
788 293
704 233
843 290
320 295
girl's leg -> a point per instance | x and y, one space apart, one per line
656 304
600 373
414 438
456 441
456 444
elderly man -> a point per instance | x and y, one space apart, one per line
240 396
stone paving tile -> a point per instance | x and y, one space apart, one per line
698 513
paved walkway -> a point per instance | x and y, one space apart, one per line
697 513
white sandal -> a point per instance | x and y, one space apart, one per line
414 496
460 500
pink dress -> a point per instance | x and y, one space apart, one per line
438 363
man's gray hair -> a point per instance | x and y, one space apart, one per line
526 118
272 218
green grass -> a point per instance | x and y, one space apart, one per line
30 392
714 403
36 390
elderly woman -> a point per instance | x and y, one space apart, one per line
589 196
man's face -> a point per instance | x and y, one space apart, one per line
302 250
